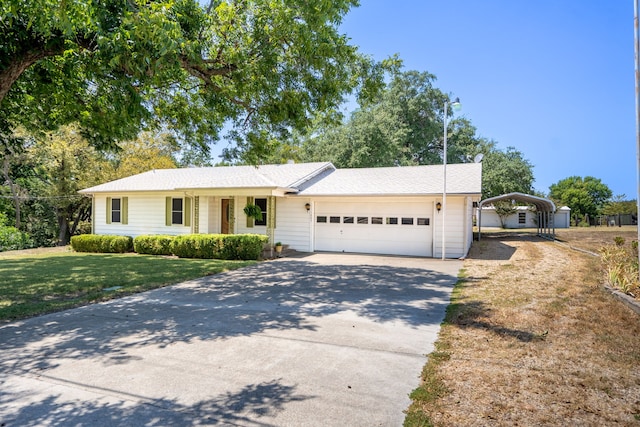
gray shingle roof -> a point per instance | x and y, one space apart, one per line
265 176
419 180
312 179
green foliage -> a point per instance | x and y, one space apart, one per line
153 244
620 264
585 196
253 211
506 172
185 66
13 239
504 209
401 126
102 243
219 246
618 205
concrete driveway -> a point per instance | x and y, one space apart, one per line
318 340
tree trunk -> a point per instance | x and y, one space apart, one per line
17 66
64 235
14 189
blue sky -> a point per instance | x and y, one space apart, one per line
555 79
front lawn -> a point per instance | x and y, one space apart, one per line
35 284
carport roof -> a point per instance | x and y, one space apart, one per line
540 203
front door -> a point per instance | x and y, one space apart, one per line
224 215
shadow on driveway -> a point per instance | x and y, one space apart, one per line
282 297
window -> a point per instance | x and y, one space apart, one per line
322 219
262 204
407 221
376 220
334 219
116 210
522 217
392 220
423 221
176 211
363 220
347 220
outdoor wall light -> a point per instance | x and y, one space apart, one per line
438 206
307 206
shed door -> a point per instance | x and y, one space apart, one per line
398 228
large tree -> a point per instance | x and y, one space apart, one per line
585 196
401 126
117 67
505 172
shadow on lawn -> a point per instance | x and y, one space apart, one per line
238 408
469 315
282 295
495 246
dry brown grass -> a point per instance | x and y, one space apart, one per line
531 338
593 238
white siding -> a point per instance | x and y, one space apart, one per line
456 221
491 219
213 217
292 223
146 216
468 224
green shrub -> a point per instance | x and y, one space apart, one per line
101 243
153 244
219 246
244 246
12 239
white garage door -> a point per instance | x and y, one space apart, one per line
400 228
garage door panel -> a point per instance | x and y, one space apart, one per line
348 235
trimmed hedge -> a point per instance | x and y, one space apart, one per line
219 246
101 243
156 244
207 246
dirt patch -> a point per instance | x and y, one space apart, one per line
533 339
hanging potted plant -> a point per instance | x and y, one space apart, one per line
253 211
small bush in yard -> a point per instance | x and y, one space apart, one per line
244 246
13 239
101 243
621 266
219 246
153 244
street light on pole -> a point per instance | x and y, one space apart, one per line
455 106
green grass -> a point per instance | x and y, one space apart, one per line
33 285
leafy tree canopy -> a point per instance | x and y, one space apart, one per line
620 205
403 125
585 196
506 172
117 67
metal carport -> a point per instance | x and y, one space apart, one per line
545 208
